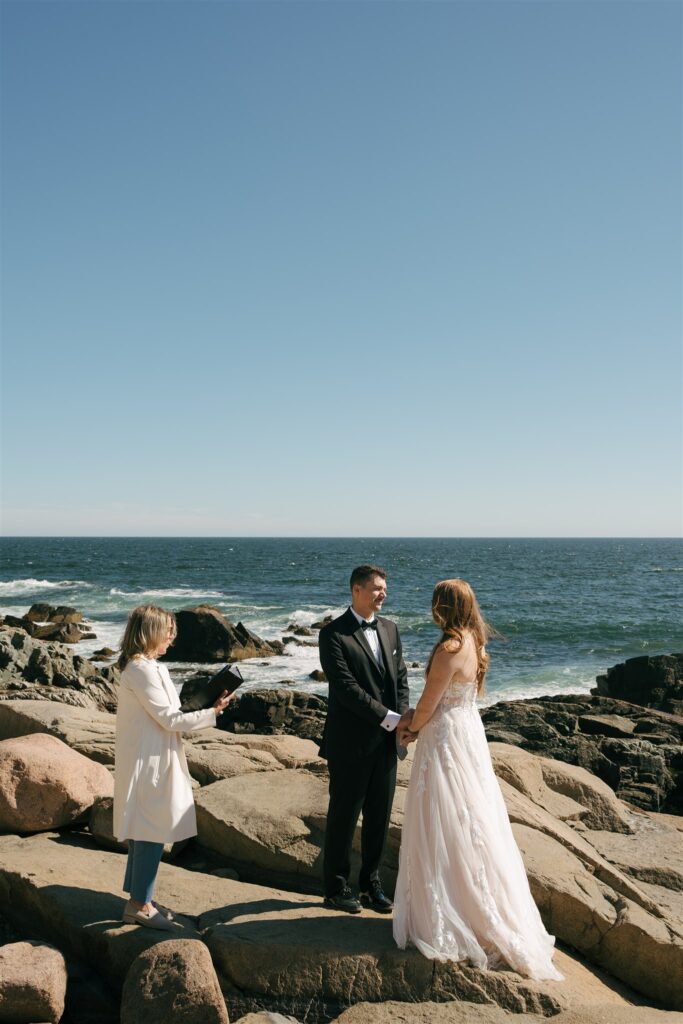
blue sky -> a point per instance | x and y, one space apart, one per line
333 268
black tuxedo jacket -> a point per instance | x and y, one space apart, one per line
360 692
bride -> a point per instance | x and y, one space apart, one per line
462 891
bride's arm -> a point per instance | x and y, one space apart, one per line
444 666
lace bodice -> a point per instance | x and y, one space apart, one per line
459 695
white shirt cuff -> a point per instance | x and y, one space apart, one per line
391 721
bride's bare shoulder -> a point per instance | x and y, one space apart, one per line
451 651
458 644
460 657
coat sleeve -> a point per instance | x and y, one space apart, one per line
145 683
346 689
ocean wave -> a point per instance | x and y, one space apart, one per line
306 617
173 592
107 634
666 568
16 588
295 665
252 607
540 689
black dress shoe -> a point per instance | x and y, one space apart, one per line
344 900
375 899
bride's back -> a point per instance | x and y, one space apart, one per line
468 661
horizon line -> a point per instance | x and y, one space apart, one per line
360 536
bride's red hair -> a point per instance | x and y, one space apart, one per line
455 610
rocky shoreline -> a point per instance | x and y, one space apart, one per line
592 784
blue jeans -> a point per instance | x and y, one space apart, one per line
141 869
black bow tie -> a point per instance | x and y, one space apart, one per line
369 625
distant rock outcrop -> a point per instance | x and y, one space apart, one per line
299 630
39 612
322 622
204 635
64 633
45 622
50 613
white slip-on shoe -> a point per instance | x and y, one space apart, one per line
151 919
170 915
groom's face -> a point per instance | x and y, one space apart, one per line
369 597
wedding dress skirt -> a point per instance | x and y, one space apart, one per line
462 892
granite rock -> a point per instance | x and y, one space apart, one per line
205 635
636 751
173 981
31 669
90 732
290 712
32 983
655 682
44 784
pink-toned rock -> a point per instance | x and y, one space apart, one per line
174 980
32 983
45 785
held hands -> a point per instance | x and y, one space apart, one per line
405 736
223 701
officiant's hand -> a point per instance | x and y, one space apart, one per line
223 701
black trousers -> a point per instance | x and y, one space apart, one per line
366 784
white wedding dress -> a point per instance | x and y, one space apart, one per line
462 891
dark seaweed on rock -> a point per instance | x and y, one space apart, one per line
636 750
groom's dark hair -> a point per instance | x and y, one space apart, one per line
362 573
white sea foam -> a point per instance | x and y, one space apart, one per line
107 633
295 666
13 609
307 616
544 689
17 588
174 592
251 607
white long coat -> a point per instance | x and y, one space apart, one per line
152 790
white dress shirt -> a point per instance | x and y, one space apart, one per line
392 718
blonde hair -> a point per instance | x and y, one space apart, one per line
146 630
455 610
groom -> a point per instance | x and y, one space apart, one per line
362 658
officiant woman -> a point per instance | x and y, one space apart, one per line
153 802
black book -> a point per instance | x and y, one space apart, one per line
229 678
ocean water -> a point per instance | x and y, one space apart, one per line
566 609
